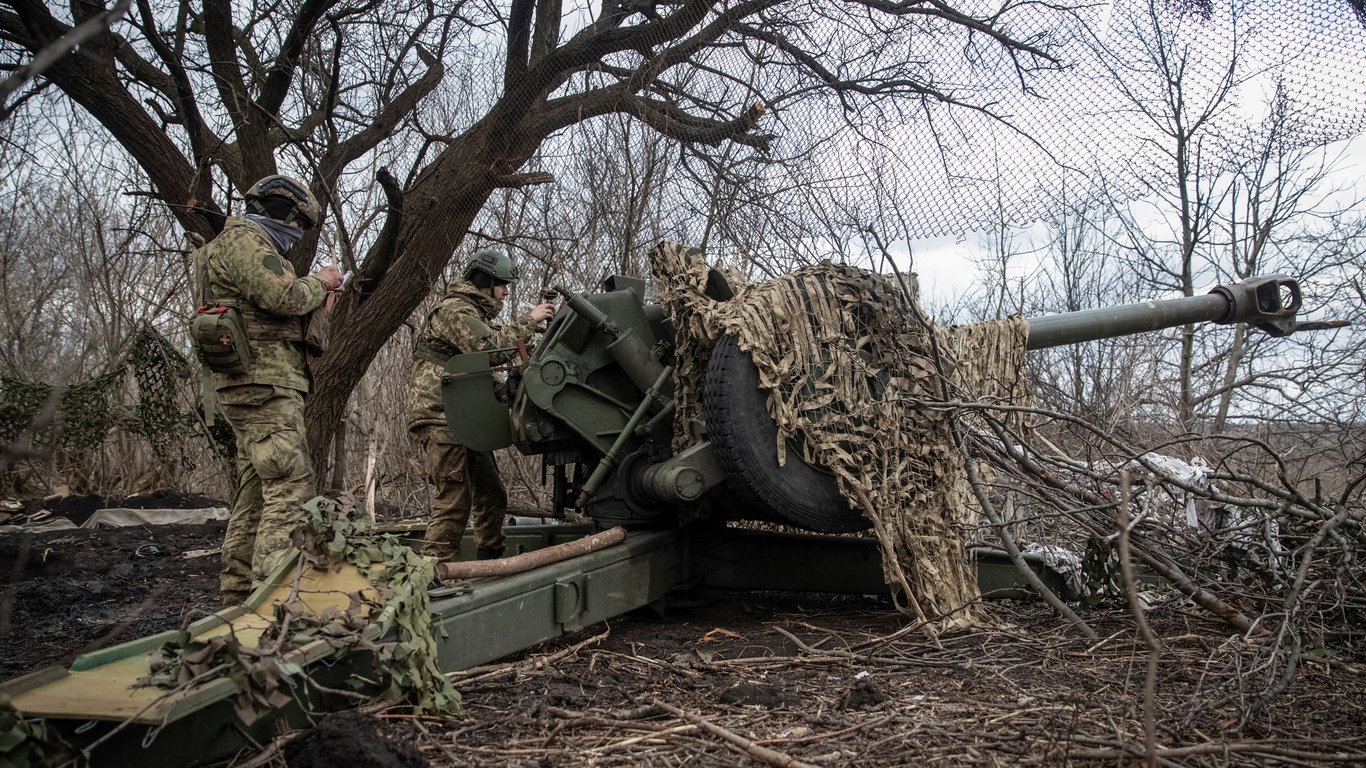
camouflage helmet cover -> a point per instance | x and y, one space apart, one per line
306 205
493 262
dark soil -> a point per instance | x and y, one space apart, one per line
64 593
833 681
351 740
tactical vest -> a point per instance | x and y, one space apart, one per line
438 351
433 351
222 329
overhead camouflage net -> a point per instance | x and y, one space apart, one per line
849 362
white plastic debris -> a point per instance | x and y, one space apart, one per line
1060 559
1173 476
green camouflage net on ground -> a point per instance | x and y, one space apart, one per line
846 357
337 533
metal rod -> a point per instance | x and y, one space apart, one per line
592 315
612 458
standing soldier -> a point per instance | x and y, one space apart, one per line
466 480
250 332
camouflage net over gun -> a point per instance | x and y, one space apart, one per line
849 362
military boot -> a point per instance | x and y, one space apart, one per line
487 553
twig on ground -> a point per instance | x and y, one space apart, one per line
770 756
1126 564
481 674
831 735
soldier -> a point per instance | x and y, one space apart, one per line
260 381
466 481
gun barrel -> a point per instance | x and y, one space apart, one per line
1109 322
1269 302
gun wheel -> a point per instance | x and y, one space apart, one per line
743 436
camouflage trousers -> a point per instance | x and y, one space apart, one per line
274 479
467 485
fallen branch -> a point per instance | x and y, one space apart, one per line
644 738
1291 605
1157 561
770 756
527 561
574 717
1012 549
1126 563
1264 748
831 734
480 674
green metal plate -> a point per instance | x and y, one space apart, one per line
474 415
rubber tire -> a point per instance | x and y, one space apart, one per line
742 435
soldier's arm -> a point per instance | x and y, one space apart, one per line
521 330
268 281
508 336
459 325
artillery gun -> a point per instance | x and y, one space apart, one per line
595 398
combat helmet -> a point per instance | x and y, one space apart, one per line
306 207
493 262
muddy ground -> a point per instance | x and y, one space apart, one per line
67 592
757 679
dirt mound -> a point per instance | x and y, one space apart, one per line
167 499
759 694
351 739
78 508
863 694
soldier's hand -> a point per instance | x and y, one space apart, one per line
542 312
331 277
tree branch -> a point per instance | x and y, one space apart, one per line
519 180
54 51
87 76
389 115
519 43
256 152
547 32
286 62
186 104
386 244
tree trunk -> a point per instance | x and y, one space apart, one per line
438 211
338 458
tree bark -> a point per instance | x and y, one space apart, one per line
438 211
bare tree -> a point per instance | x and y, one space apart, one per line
1221 199
328 85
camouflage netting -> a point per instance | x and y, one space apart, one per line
72 432
845 356
266 674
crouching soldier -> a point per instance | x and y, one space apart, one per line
249 331
467 482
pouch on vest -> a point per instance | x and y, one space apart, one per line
317 330
220 339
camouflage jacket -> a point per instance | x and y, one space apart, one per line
243 269
462 322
